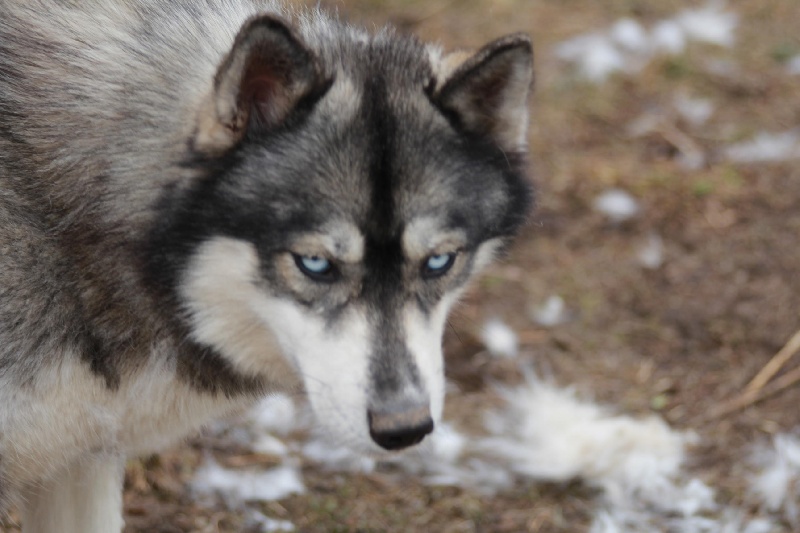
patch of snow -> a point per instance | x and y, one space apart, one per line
766 147
668 37
651 253
595 55
232 435
551 313
336 457
616 520
447 458
264 524
275 413
605 522
777 482
440 451
269 445
239 486
756 525
695 111
500 339
710 24
617 204
630 35
443 459
627 46
257 429
443 448
447 443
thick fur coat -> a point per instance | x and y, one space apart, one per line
202 202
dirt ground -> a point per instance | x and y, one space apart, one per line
681 339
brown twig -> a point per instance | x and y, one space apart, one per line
759 387
774 365
746 400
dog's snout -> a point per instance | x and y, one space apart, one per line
398 430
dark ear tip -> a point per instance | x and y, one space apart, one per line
516 42
519 38
259 25
266 21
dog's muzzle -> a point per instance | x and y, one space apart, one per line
395 430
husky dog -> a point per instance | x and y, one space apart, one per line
202 201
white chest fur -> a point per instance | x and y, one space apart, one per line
68 411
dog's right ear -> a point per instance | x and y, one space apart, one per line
267 72
488 93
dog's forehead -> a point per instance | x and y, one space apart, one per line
385 159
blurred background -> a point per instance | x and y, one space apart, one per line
658 276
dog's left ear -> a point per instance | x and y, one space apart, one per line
488 93
267 72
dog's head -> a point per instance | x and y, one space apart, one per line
357 184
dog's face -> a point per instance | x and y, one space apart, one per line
354 195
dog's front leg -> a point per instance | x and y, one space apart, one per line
84 498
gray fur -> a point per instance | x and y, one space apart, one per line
137 136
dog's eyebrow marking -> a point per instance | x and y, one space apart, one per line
338 240
427 235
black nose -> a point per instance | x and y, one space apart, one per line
395 431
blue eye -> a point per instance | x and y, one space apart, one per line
315 267
438 265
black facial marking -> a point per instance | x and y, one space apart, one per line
206 371
392 367
380 123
